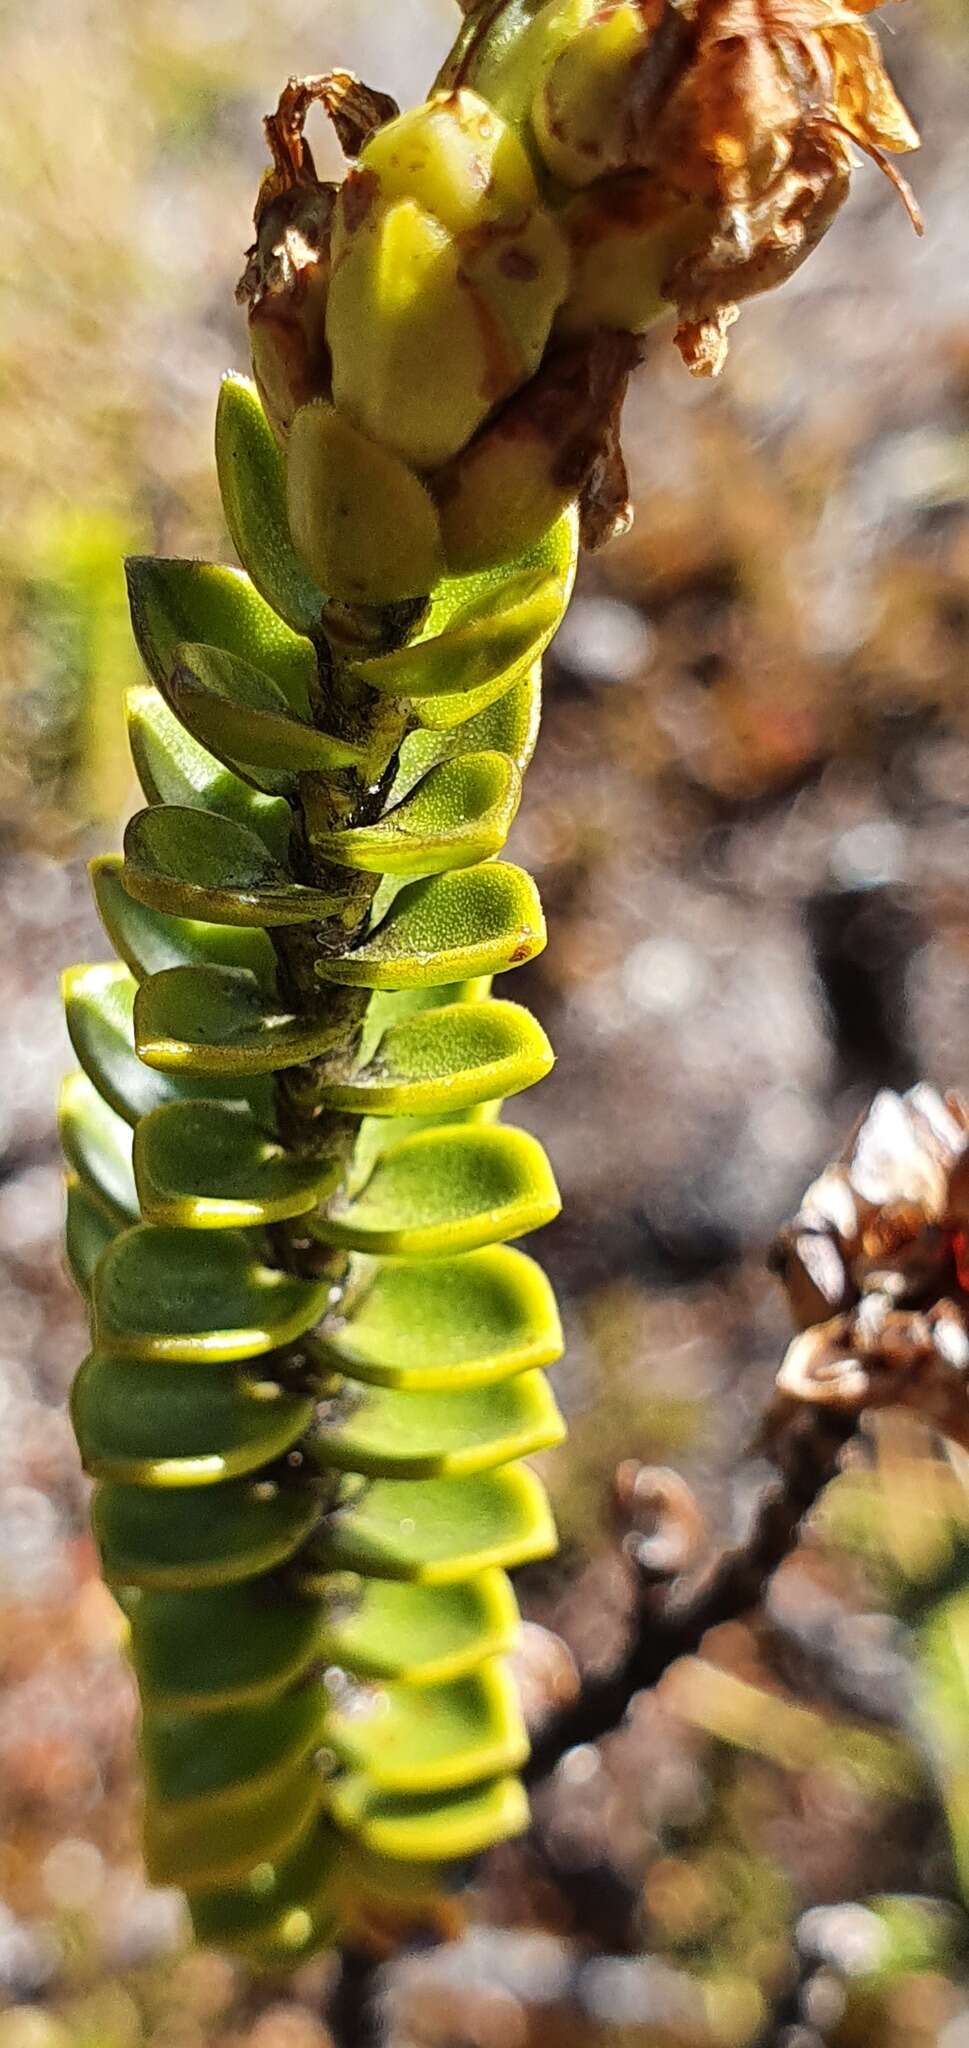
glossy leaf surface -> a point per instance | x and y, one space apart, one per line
146 1423
198 1297
481 652
99 1003
174 600
198 864
150 941
88 1231
174 769
211 1166
240 716
97 1143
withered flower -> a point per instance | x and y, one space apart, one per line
761 126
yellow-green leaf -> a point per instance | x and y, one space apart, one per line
444 1531
479 920
409 1739
219 1021
197 864
173 769
211 1166
453 1323
252 480
198 1537
426 1828
460 813
149 941
387 1434
446 1059
174 600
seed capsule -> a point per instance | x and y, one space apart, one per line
361 521
441 253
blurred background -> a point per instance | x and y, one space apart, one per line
748 818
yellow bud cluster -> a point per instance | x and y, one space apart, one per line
432 338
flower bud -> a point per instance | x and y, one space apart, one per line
362 523
443 254
550 445
583 110
626 235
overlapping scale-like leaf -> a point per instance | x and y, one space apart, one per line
317 1362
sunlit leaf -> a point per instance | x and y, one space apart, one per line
174 600
463 1525
468 1322
253 484
445 1191
479 920
462 812
211 1166
197 864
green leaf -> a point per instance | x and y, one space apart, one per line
197 864
199 1756
145 1423
173 769
286 1909
454 1323
149 941
99 1004
556 554
446 1059
211 1166
384 1628
206 1844
175 600
479 920
202 1536
198 1297
238 714
390 1006
88 1230
386 1434
408 1739
446 1191
445 1531
252 480
234 1646
98 1145
482 652
216 1020
421 1827
509 727
462 812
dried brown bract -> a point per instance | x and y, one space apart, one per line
875 1266
761 127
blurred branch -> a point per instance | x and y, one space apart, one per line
675 1613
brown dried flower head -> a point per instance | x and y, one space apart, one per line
761 126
